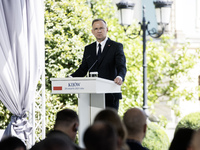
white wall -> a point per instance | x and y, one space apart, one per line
186 22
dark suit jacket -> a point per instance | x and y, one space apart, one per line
111 64
134 145
55 134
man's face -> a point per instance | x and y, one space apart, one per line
99 30
195 142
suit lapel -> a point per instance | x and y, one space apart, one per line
93 50
105 50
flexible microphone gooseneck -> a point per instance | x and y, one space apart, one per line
91 67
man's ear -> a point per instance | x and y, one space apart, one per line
189 148
119 142
75 127
145 129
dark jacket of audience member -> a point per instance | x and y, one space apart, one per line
66 127
57 143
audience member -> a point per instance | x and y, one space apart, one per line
111 116
66 127
57 143
182 139
135 122
195 144
100 136
67 122
12 143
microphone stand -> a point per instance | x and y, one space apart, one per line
91 68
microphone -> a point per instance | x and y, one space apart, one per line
78 65
92 67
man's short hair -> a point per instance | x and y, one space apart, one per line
182 139
100 136
95 20
111 116
12 142
134 120
66 116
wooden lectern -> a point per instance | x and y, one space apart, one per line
91 96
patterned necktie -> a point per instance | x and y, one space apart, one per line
99 51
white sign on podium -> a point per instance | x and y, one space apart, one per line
91 96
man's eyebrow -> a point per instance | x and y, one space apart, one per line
99 28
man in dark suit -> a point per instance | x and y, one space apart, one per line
64 132
105 57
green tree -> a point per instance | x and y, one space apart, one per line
68 30
165 67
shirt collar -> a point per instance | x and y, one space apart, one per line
103 42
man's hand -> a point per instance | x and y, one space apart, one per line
118 80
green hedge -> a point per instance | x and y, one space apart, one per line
191 121
156 138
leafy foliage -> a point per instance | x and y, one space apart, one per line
156 138
5 116
165 68
53 105
191 121
67 31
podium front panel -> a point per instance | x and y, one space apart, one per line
83 85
